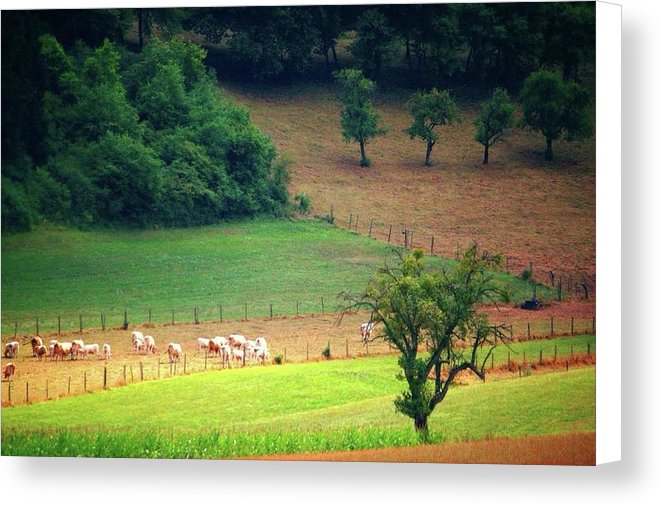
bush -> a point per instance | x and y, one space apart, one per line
303 204
326 352
278 359
526 275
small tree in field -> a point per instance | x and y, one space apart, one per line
358 120
430 110
431 318
495 116
554 107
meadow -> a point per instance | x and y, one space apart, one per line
281 266
308 407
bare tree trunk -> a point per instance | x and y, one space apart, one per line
363 158
549 149
428 154
420 425
334 53
486 154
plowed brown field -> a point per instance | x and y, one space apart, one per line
577 449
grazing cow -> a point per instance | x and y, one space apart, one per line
174 351
261 342
11 349
214 348
76 347
40 352
225 353
203 344
9 371
61 350
249 349
237 354
149 344
236 340
136 335
105 352
262 353
36 342
89 349
366 331
51 349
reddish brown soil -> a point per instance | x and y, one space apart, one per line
565 449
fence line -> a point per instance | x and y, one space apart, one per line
112 375
566 284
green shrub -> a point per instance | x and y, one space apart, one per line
278 359
326 352
303 204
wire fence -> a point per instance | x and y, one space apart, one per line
58 379
566 284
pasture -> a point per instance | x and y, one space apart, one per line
229 270
307 407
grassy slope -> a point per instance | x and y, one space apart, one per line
48 273
306 407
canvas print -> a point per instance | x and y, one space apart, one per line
321 232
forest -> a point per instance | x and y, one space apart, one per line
114 117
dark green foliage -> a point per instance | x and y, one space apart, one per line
136 140
419 309
430 110
303 204
555 108
326 353
358 120
375 45
495 116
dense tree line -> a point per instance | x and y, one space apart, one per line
85 112
115 137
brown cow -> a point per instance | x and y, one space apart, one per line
36 342
9 371
40 352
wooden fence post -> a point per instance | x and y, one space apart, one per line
431 249
572 325
322 304
271 309
540 356
142 372
16 327
58 325
588 348
356 223
524 357
9 391
46 389
370 232
296 308
105 377
594 330
27 392
131 369
69 386
332 219
507 264
126 319
37 321
491 361
508 360
350 221
172 317
150 314
103 323
245 310
389 233
528 330
555 353
221 313
307 351
81 322
551 325
85 381
124 374
285 358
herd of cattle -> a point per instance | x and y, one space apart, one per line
233 349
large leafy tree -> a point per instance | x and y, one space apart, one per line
376 43
496 115
358 120
555 108
431 110
431 317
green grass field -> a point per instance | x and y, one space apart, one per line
336 405
55 272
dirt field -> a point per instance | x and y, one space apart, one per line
527 208
295 339
565 449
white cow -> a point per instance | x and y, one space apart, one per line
225 353
237 354
203 344
11 349
149 344
366 331
236 340
76 347
105 352
137 341
249 349
174 351
89 349
262 353
51 349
